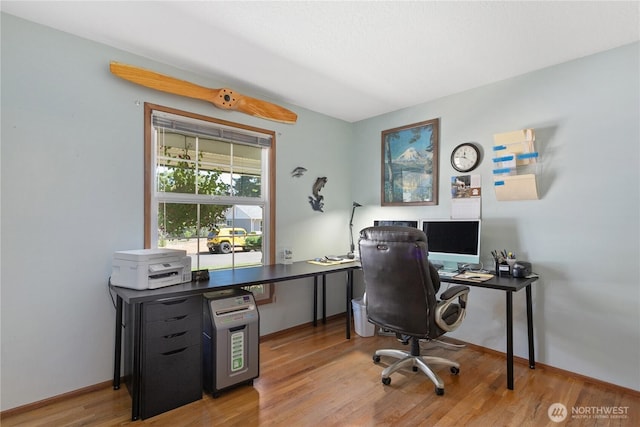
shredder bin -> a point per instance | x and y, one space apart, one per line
230 338
363 327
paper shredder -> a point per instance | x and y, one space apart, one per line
230 338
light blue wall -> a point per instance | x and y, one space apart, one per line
72 194
71 185
582 236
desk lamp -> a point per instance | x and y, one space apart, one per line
351 253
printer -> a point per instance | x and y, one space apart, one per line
150 268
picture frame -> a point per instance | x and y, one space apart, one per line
410 164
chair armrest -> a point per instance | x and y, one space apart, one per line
448 297
454 291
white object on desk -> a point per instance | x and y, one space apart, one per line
150 268
285 255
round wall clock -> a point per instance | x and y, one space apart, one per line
465 157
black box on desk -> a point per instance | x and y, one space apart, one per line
503 270
521 269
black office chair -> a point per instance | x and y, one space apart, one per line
400 296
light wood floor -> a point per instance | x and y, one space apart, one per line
314 377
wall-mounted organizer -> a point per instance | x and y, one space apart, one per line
515 165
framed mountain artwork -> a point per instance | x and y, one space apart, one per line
410 164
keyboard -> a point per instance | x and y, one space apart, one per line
447 273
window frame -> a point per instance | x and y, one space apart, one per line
149 180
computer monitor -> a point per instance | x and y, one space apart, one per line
452 241
380 222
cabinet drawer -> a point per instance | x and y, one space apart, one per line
174 325
172 342
170 308
171 380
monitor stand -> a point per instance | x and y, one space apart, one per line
447 266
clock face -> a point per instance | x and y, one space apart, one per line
465 157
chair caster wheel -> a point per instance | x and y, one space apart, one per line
439 391
376 358
386 381
454 370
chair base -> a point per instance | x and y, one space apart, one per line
416 361
443 344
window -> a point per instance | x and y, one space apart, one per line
208 190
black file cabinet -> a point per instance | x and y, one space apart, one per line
170 355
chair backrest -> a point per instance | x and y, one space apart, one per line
400 284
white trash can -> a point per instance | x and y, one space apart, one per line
364 328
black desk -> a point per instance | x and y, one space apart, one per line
218 280
509 285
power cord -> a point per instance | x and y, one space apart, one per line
113 301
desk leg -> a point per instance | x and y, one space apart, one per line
324 299
118 344
349 298
137 361
315 300
509 340
532 360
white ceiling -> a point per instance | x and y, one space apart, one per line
348 60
